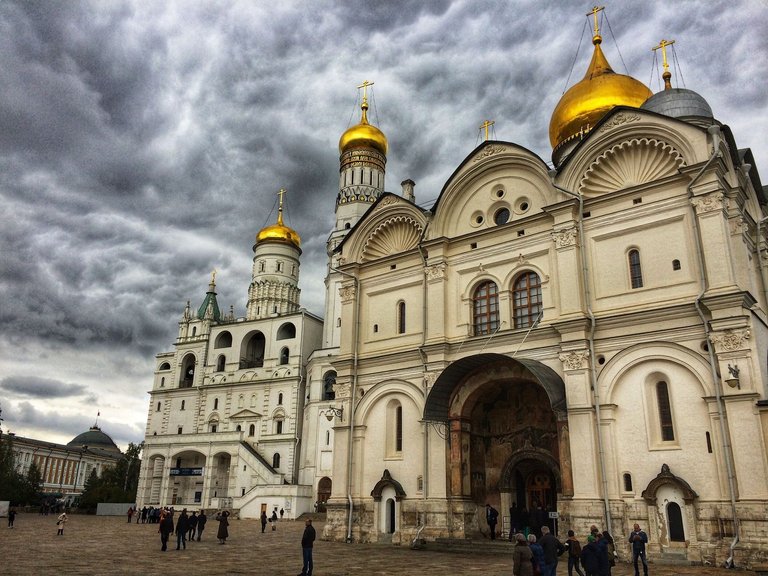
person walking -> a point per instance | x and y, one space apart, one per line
192 527
610 548
590 557
281 514
552 548
639 539
11 517
522 557
573 546
182 527
223 532
61 522
307 542
273 519
492 517
263 521
165 529
201 520
130 514
538 554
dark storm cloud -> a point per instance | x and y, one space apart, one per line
142 143
33 387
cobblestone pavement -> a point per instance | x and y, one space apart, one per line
109 545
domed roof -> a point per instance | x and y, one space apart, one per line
279 232
94 438
363 135
587 101
678 103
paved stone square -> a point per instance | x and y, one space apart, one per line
109 545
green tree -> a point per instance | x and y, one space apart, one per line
117 483
33 485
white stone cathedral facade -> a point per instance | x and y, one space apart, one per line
588 339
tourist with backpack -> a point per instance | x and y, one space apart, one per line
573 547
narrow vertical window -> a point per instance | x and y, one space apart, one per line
182 404
709 443
526 299
215 403
158 406
399 429
401 318
279 427
162 382
280 399
627 482
251 430
635 272
485 302
284 356
665 412
276 461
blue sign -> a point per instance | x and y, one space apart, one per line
186 471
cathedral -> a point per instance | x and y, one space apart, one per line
584 338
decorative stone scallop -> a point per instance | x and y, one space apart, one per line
631 163
398 234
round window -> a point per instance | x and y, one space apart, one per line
501 216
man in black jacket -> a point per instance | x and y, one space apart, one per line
552 549
201 520
182 526
307 541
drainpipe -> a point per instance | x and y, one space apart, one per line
591 342
714 131
351 412
424 380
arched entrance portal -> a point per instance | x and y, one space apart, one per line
508 435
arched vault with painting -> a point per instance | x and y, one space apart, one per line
507 433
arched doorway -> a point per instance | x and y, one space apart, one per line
675 520
323 492
507 434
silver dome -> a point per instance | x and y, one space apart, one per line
678 103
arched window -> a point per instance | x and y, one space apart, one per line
280 399
284 356
627 482
162 382
239 428
215 403
222 360
394 441
286 331
278 426
276 461
665 412
526 299
401 317
223 340
158 407
253 400
635 272
253 348
165 366
187 376
252 430
194 331
329 381
485 302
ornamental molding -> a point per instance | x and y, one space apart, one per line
619 120
347 293
576 360
389 200
565 238
730 340
430 378
488 151
708 203
739 226
630 163
393 236
342 391
436 272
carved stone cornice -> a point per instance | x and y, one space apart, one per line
708 203
565 238
435 272
575 360
731 340
488 151
347 293
620 119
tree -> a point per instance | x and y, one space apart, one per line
117 483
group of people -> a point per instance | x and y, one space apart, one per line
185 527
532 557
147 515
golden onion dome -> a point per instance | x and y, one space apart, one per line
586 102
363 135
279 232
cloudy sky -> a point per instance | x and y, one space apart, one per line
142 144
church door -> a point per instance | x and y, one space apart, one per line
675 519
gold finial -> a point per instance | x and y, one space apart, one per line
667 74
487 124
596 38
364 86
280 206
213 276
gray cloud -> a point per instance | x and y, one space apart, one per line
142 143
34 387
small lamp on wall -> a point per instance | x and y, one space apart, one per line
331 412
733 381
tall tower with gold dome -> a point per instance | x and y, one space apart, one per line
274 288
590 99
363 158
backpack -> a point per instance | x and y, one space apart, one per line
574 549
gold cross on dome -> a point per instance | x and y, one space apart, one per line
280 193
663 45
594 12
487 124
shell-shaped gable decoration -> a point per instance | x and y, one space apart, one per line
395 235
631 163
